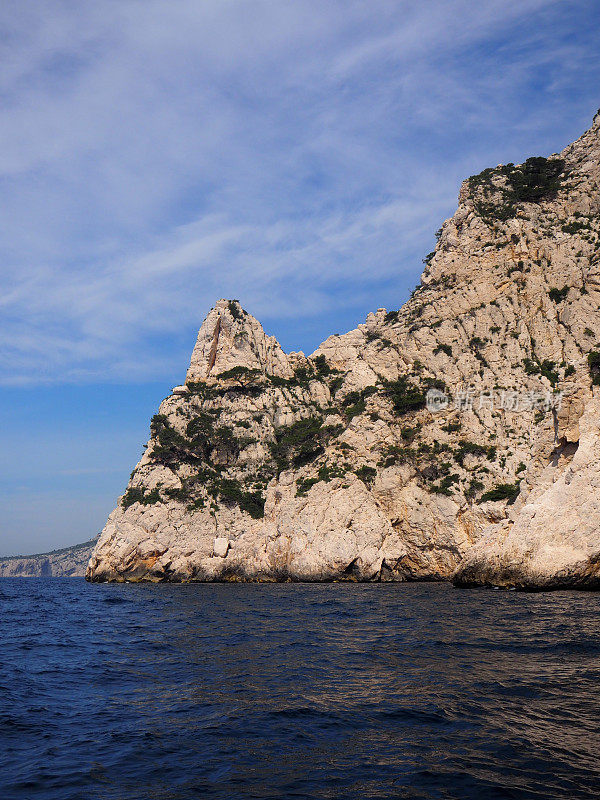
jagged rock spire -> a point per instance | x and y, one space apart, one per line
230 337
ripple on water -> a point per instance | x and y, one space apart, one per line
338 691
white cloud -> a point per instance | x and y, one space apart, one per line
298 155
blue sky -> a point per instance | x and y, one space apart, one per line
295 154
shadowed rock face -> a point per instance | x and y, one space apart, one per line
70 562
275 466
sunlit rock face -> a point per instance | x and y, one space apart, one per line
273 466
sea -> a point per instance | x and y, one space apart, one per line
170 692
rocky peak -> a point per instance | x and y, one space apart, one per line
229 338
274 466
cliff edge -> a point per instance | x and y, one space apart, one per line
456 438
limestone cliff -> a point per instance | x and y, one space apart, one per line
68 562
275 466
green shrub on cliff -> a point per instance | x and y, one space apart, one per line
170 447
366 474
355 402
558 295
405 396
503 491
301 443
537 179
235 309
322 367
594 365
499 191
242 375
137 494
231 491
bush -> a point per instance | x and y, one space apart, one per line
335 384
276 380
404 395
169 446
231 491
326 473
475 486
243 375
558 295
330 471
200 431
443 348
574 227
355 402
235 309
200 388
495 212
322 367
301 443
503 491
302 376
531 367
408 434
546 369
304 484
444 485
536 180
137 494
471 448
366 474
503 188
225 446
594 365
451 427
397 455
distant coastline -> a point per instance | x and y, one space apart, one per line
66 562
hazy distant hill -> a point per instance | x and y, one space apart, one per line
68 562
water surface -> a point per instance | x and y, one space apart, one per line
296 691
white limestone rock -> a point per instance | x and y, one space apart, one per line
221 546
331 467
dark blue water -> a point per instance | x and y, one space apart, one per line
296 691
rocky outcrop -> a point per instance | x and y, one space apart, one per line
456 437
69 562
554 541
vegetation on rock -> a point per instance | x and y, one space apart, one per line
503 491
500 191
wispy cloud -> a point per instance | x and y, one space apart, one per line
156 156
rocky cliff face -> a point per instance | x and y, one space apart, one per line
69 562
275 466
